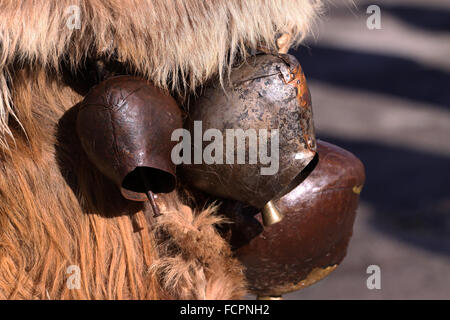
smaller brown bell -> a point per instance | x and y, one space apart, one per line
125 125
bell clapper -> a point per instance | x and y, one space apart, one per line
270 214
150 196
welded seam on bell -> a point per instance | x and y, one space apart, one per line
132 92
113 130
115 147
107 98
255 78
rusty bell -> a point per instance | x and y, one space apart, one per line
266 92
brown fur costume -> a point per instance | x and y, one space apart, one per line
56 210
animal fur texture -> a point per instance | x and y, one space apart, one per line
56 209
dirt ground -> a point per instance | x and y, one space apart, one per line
385 96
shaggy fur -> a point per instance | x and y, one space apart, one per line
56 210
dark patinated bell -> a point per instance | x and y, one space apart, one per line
313 237
268 92
125 125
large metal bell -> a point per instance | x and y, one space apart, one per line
266 92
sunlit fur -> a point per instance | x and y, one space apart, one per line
56 209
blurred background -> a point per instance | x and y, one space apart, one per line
384 95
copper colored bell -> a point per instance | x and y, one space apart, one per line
313 237
125 124
267 92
